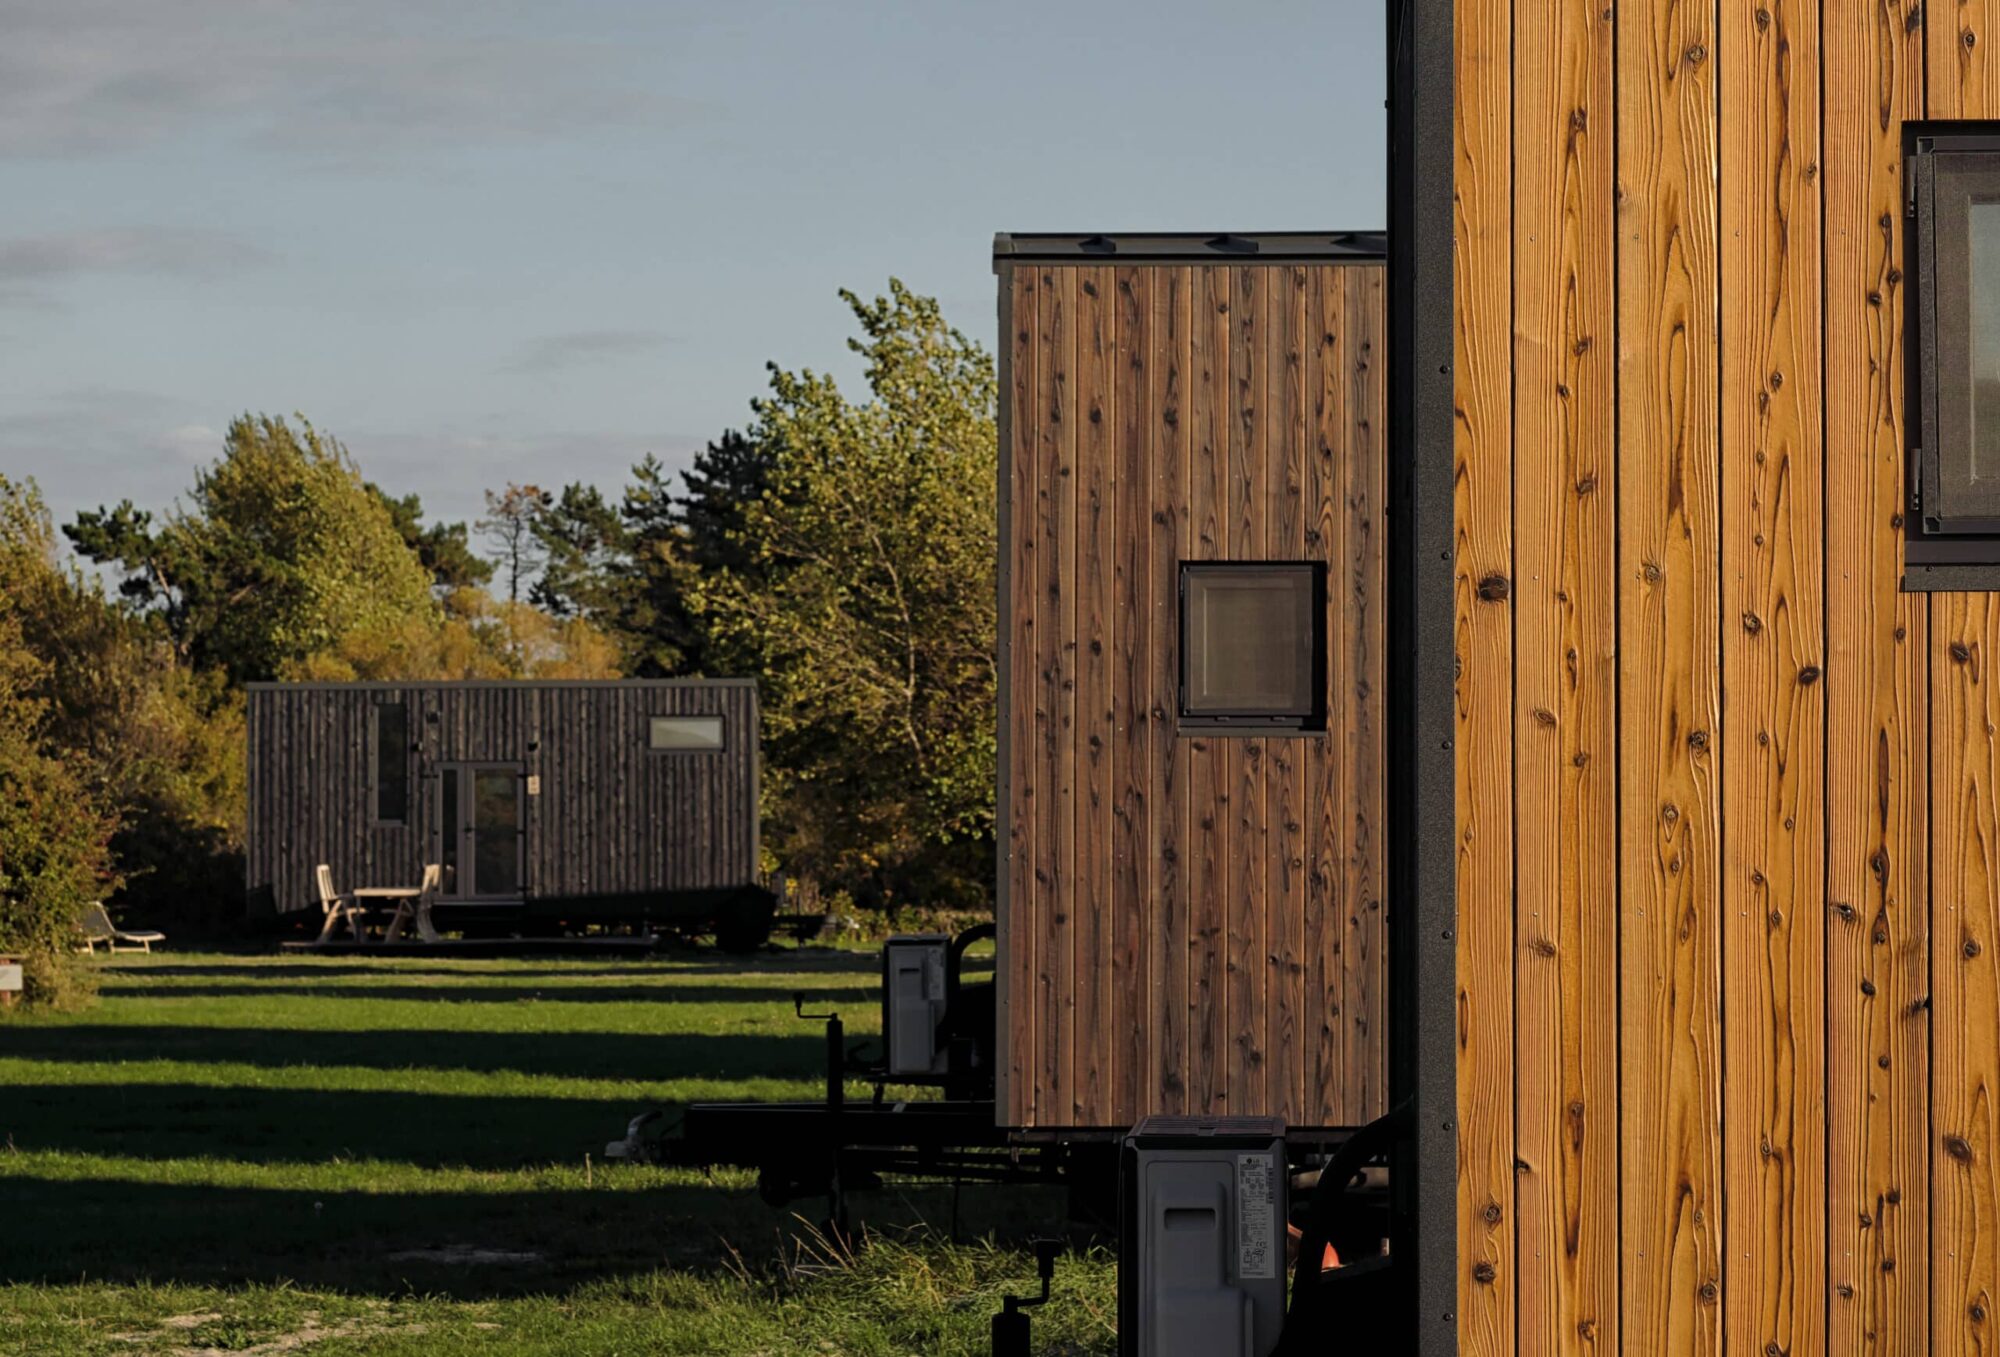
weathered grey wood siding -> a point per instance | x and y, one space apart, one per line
612 817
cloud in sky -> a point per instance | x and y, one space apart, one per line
555 353
357 81
32 266
175 251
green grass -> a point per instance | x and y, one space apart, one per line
265 1155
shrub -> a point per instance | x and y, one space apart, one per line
54 859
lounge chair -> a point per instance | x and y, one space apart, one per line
94 923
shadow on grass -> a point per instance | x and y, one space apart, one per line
471 990
271 1126
634 1056
65 1232
250 968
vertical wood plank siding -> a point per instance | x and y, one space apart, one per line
1964 82
1192 921
1566 691
1729 801
611 819
1878 741
1484 628
1774 725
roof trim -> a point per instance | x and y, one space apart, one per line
1236 247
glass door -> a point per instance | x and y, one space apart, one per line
480 831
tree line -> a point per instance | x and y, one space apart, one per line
839 550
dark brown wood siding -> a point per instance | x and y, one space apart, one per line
1189 923
1728 888
610 818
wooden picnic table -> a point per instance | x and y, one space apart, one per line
411 906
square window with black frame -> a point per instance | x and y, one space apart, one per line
1253 646
392 763
1952 529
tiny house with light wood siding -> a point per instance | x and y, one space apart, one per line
1720 428
1192 474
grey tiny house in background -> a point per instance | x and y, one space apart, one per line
551 800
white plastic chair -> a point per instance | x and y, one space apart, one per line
339 908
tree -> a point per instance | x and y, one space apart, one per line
727 477
160 744
865 603
283 549
442 547
509 528
660 635
476 638
587 553
54 827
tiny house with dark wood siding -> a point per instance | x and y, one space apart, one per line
554 801
1192 478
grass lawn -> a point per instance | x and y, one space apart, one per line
255 1154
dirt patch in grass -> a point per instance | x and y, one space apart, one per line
310 1332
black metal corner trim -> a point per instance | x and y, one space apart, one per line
1422 805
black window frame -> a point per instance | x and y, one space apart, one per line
1311 721
384 780
1948 543
688 751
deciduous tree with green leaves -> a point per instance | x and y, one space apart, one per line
282 550
864 602
55 829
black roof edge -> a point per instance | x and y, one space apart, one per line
1242 247
380 685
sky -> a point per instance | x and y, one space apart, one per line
510 241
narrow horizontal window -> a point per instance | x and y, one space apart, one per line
392 763
1253 645
685 734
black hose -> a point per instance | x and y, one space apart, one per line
1322 1212
955 958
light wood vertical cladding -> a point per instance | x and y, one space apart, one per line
1197 900
1670 885
1566 686
1878 1010
1964 82
1773 658
1484 631
1965 973
1801 812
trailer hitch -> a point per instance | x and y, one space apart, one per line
1011 1326
836 1052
